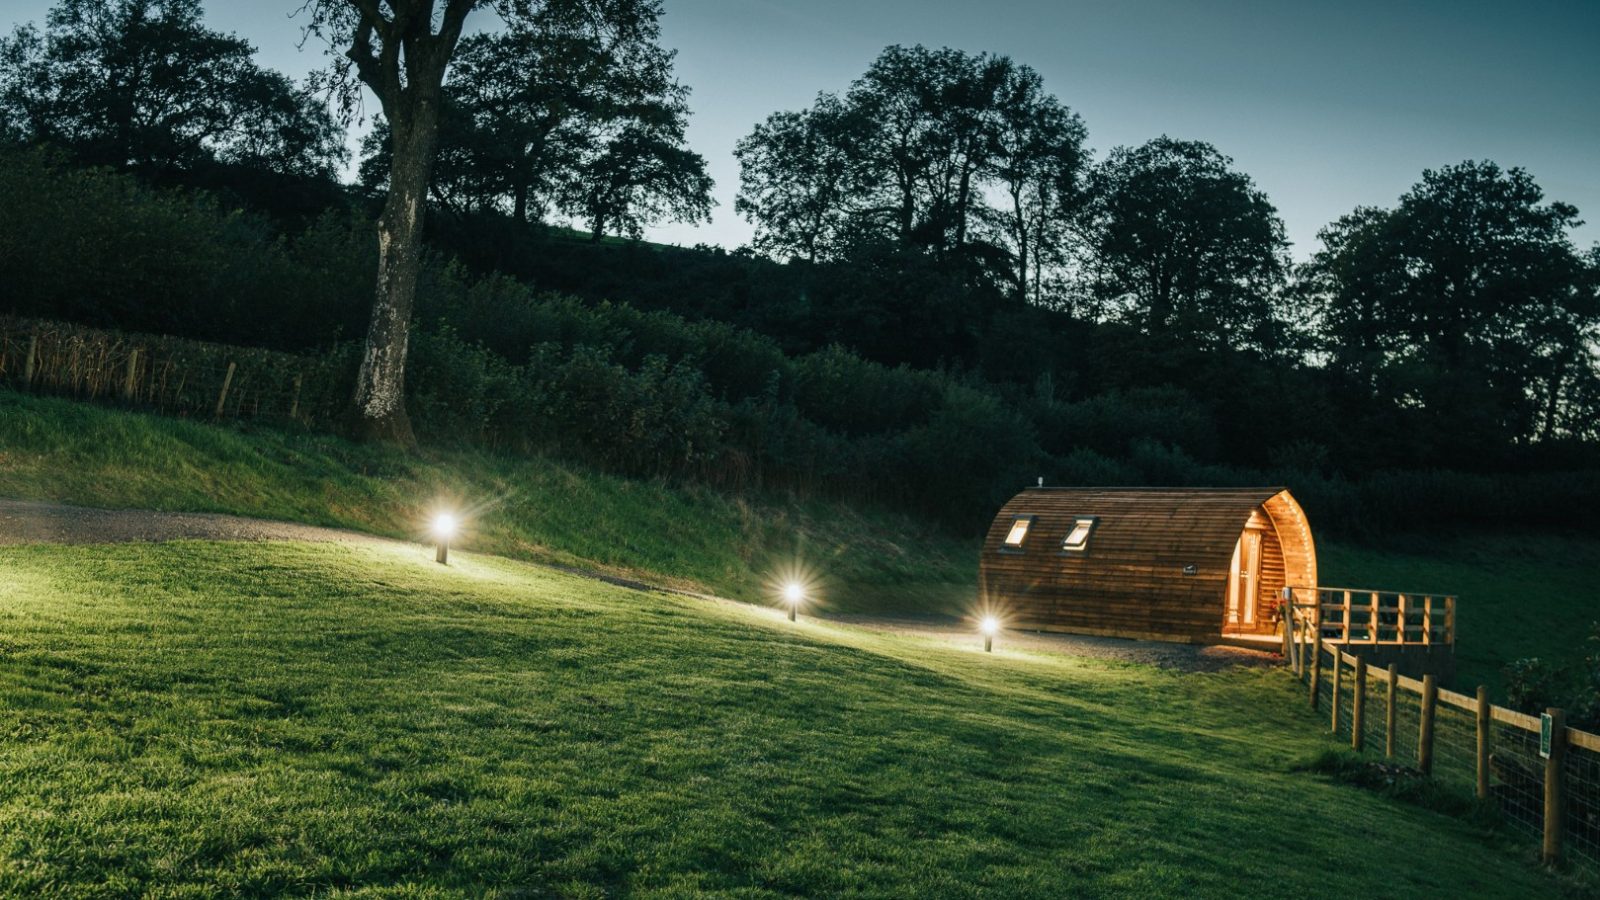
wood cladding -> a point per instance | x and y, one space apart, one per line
1157 564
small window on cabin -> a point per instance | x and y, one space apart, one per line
1018 532
1077 539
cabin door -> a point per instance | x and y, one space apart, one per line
1243 578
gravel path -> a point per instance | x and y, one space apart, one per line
30 522
27 522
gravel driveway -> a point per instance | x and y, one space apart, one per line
30 522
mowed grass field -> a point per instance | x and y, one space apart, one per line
1521 594
207 719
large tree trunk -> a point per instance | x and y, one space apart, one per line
380 409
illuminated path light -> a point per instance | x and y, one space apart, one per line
444 527
793 594
990 626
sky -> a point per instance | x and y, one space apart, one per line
1326 104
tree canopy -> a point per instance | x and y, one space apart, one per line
143 85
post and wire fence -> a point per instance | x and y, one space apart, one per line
1542 776
173 376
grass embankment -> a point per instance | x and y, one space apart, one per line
1520 595
197 719
528 508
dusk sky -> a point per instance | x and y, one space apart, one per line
1327 105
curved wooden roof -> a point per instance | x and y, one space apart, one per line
1132 579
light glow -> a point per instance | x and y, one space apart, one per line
793 592
444 526
990 626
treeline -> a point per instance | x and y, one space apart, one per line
949 292
654 394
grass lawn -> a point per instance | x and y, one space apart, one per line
1520 595
528 508
200 719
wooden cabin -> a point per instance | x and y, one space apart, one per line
1174 564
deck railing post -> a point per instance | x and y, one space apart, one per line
1358 705
1400 619
1346 617
1389 717
1430 698
1372 621
1483 742
1427 618
1450 620
1554 776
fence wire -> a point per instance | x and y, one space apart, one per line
1581 814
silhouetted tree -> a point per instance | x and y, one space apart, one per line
575 112
907 159
1180 244
1468 300
143 85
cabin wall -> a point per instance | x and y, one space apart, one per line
1157 566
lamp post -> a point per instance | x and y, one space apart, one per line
444 528
793 594
990 626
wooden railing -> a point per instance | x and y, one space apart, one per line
1365 616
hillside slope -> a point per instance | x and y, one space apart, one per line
528 508
249 719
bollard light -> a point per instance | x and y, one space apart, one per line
794 594
990 626
444 528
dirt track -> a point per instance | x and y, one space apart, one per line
29 522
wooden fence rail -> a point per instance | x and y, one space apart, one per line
1559 789
170 375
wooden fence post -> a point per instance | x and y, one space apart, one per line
129 379
1358 706
1389 711
1554 778
1338 678
1483 742
32 360
222 398
1430 697
1316 669
294 402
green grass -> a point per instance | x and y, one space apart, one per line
200 719
525 508
1519 595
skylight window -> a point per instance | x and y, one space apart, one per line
1018 532
1077 539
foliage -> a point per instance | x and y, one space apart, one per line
571 111
144 85
1180 243
907 159
1467 306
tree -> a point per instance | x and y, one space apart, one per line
577 112
1467 301
143 85
1180 244
400 50
908 159
644 175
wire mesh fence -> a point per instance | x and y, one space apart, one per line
1581 812
1514 768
